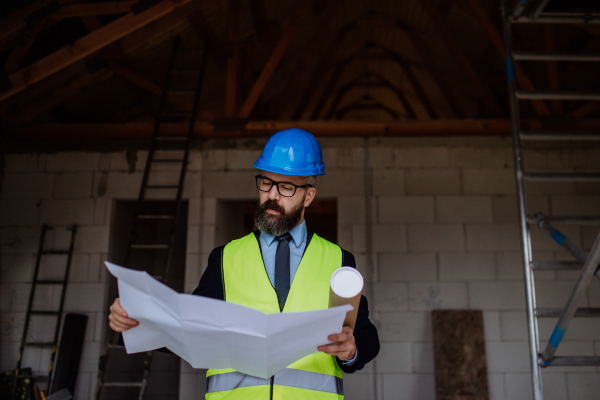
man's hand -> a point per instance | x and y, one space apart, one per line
119 322
345 348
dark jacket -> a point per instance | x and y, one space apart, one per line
365 333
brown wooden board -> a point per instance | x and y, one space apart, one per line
460 361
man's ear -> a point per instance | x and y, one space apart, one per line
310 196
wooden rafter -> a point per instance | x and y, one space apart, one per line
232 72
366 103
486 96
540 107
414 82
274 59
22 48
204 30
383 82
335 76
15 22
87 45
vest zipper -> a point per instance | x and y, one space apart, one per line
272 383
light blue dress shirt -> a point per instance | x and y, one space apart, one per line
268 246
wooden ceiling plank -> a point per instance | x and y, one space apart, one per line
204 30
16 21
20 51
553 78
416 85
335 76
434 71
361 105
87 45
94 9
232 72
400 95
486 96
307 54
488 26
259 17
274 59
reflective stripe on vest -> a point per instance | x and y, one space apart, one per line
287 377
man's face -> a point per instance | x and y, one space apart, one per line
277 214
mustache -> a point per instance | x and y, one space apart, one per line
271 205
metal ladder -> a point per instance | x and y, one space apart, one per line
535 12
143 211
31 312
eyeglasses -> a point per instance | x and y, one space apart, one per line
286 189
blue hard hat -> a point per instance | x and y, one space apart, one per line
292 152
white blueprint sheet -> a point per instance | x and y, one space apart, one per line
210 333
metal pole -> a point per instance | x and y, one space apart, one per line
569 311
561 239
536 372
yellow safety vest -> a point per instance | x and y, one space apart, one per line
316 376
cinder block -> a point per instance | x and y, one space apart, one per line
52 266
194 211
496 386
12 327
165 155
230 185
570 348
118 161
357 386
337 183
193 239
83 385
589 234
192 185
408 387
467 267
241 159
580 329
492 327
215 160
209 211
493 237
551 187
514 326
30 185
479 157
555 294
189 386
405 326
405 209
389 237
73 161
20 240
25 162
490 181
89 357
391 297
395 358
422 157
104 162
542 241
497 295
594 293
208 238
85 297
436 295
519 386
73 185
506 207
329 156
100 211
583 386
423 357
382 157
120 185
95 266
510 266
64 212
344 239
10 352
463 208
408 267
193 268
575 205
80 266
432 181
195 161
16 268
351 210
21 212
507 356
92 239
388 182
351 158
439 237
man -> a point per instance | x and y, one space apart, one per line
298 266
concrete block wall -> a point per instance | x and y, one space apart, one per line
444 235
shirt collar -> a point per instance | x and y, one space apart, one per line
298 235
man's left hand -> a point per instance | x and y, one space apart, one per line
344 349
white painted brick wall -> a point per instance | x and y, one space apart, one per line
29 185
407 267
463 209
436 237
403 209
73 161
467 267
389 182
432 181
423 157
491 181
73 185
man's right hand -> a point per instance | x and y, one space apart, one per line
119 322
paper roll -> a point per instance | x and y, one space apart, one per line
346 287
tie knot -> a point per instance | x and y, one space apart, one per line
286 236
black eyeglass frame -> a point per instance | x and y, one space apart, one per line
296 187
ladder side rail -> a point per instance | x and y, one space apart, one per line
536 372
569 311
192 125
29 306
537 11
62 303
144 384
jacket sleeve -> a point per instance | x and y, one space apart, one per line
365 333
211 283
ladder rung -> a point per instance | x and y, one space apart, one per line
40 344
544 95
556 312
50 282
168 160
555 56
162 186
576 220
156 216
556 266
546 177
559 136
41 312
574 361
55 252
149 246
122 384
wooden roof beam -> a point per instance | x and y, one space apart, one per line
274 59
370 104
399 94
20 51
87 45
486 96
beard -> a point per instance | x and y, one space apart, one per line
277 224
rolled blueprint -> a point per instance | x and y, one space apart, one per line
346 287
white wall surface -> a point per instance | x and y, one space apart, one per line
443 234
